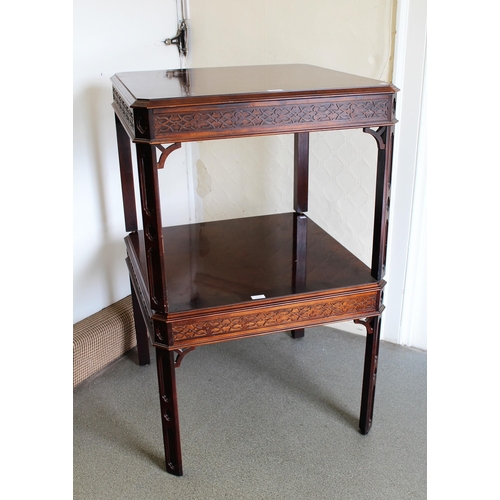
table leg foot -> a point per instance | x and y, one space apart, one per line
297 334
169 414
370 372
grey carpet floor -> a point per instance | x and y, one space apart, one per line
261 418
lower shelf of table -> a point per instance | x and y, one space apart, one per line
252 276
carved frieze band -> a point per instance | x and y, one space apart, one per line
261 116
282 317
124 108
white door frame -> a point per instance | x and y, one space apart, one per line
407 192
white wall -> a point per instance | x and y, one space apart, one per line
355 36
111 36
413 329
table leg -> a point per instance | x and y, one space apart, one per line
141 331
370 372
300 205
297 334
385 139
169 414
301 172
126 176
299 259
151 221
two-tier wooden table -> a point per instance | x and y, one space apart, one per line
211 282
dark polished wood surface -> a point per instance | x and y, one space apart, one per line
217 281
227 262
250 81
214 103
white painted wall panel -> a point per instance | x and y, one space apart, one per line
112 36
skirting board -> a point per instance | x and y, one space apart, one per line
102 338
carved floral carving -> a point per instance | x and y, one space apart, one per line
261 116
269 319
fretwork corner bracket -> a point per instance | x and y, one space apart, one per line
379 135
165 152
180 355
367 323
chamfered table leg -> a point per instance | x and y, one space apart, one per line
169 414
370 372
385 140
299 260
141 332
127 176
297 334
